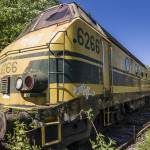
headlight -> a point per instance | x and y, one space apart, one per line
19 83
29 82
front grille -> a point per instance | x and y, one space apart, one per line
5 85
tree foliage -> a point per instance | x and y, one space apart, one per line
16 14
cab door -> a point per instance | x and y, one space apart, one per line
106 68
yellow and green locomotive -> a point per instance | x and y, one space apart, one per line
62 64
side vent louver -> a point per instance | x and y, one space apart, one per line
5 85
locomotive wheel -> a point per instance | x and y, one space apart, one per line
2 124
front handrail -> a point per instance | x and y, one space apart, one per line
50 42
28 49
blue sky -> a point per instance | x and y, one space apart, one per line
126 20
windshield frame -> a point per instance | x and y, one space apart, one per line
31 27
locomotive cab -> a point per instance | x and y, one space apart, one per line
24 63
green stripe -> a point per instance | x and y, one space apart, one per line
122 79
75 72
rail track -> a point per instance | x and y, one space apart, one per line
127 131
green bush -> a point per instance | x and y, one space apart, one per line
99 143
18 140
146 144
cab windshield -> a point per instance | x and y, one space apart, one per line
49 17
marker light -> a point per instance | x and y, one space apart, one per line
19 83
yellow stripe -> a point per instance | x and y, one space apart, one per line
69 91
19 107
125 89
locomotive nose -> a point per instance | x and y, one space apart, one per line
2 124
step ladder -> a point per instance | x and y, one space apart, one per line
56 74
51 133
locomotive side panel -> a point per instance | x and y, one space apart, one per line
145 84
124 77
128 77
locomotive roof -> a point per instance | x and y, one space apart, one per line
114 40
110 37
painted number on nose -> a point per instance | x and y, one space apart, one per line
10 67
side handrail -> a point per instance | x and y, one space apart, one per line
63 43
